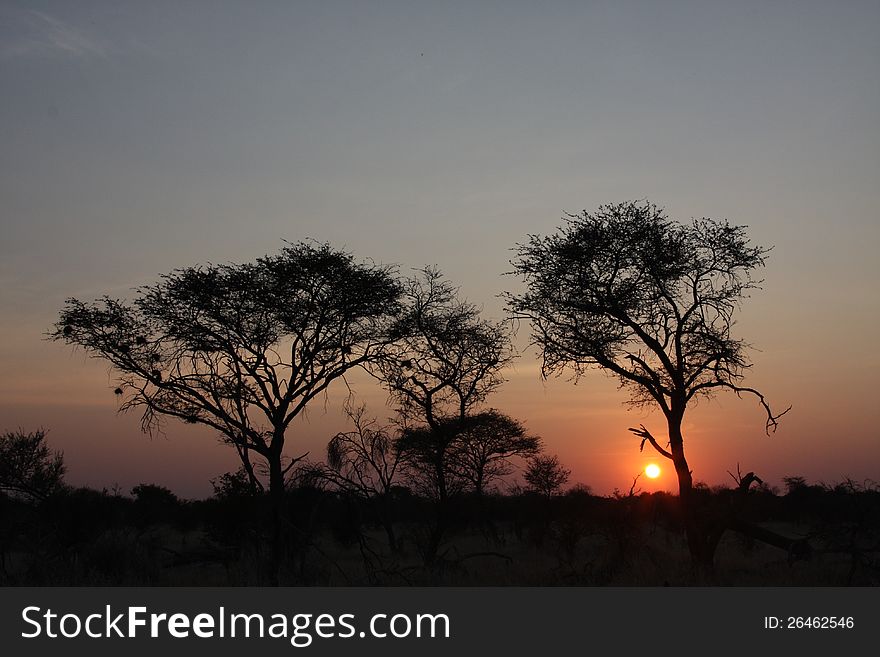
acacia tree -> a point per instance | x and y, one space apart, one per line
241 348
28 468
445 362
650 301
546 475
464 453
487 444
430 457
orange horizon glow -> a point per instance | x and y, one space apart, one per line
584 424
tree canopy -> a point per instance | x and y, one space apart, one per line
446 360
651 301
646 298
28 468
546 475
487 443
241 348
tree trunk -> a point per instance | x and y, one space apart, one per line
277 502
700 545
440 474
478 484
387 519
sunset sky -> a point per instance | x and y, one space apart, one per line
140 137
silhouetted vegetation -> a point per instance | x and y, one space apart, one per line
242 349
546 475
650 301
78 536
446 360
429 497
28 468
364 464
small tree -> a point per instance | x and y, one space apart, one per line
794 484
28 468
243 348
445 362
233 485
650 301
155 504
487 444
431 459
365 463
546 475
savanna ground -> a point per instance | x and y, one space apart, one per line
87 537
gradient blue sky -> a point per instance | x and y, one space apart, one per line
139 137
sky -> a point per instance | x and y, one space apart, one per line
140 137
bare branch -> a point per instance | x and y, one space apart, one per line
772 420
647 437
744 481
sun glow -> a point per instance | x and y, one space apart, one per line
652 470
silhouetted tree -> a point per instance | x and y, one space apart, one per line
28 468
364 463
651 301
234 485
154 504
445 362
154 496
241 348
546 475
794 483
487 443
430 458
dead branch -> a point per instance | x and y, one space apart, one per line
647 437
744 482
772 420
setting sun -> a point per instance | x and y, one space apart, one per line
652 470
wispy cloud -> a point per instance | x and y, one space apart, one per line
36 33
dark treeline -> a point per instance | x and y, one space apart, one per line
54 534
